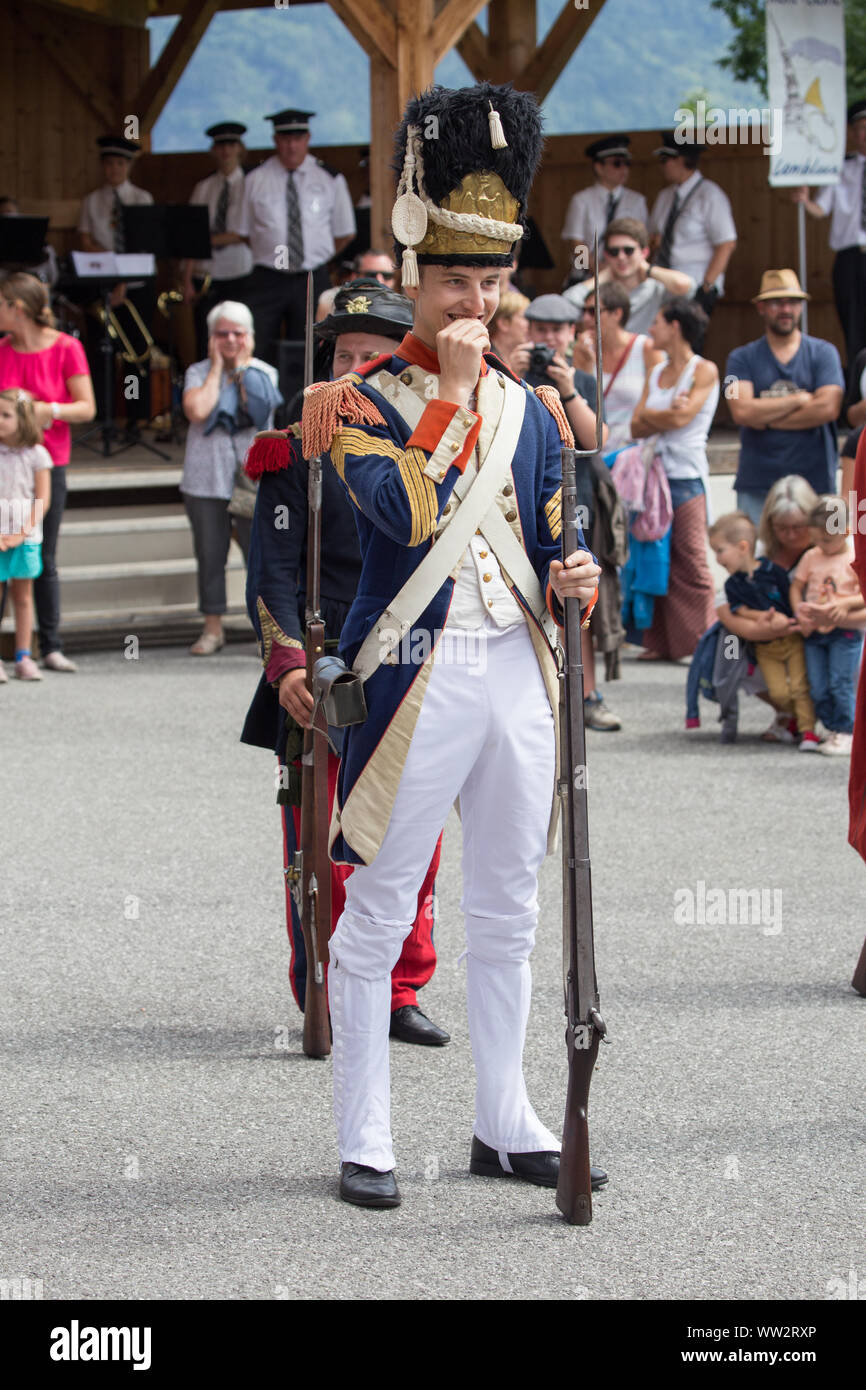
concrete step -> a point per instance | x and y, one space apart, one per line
108 535
125 586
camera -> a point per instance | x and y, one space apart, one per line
540 359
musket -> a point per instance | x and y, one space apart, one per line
310 871
584 1024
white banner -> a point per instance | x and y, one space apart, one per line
806 86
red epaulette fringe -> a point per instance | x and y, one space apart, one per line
327 406
549 397
269 452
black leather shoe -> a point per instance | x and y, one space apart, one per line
542 1169
367 1187
411 1026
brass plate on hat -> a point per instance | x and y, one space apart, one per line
359 305
485 194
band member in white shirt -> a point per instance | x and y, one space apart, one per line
593 209
100 228
845 204
691 224
222 193
297 214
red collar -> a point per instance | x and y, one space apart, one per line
420 355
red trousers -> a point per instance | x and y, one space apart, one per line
418 957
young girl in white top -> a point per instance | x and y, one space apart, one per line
25 492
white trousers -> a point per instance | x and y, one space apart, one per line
485 735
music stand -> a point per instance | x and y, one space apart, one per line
22 242
103 271
172 231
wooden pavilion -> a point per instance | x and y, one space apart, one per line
71 70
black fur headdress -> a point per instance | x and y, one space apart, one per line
467 132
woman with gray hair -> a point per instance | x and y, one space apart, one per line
226 399
783 535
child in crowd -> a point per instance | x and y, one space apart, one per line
830 610
760 586
25 492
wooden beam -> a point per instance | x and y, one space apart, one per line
451 23
552 56
415 60
133 13
472 48
511 38
45 35
162 79
371 25
385 114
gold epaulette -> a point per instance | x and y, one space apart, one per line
330 404
549 397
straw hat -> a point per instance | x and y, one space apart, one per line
779 284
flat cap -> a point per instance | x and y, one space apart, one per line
552 308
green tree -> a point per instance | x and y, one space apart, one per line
746 58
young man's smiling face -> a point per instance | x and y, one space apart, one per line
448 293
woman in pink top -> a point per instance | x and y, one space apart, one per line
53 368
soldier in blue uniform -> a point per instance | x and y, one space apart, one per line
453 466
368 318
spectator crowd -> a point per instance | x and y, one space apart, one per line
790 601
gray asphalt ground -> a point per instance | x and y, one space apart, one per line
164 1137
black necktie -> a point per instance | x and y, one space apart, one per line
612 201
117 223
222 209
663 255
863 195
294 236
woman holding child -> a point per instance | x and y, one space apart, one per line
784 536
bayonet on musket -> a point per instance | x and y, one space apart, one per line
310 872
584 1024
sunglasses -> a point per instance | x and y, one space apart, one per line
619 250
617 163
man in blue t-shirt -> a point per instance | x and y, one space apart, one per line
785 392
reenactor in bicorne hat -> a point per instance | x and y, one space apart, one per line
368 319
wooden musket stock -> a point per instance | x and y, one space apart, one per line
584 1025
311 871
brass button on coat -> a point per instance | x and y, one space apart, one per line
406 378
482 554
487 578
507 490
511 516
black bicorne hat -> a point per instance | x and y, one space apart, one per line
367 306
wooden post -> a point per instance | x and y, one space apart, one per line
385 112
415 57
511 40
